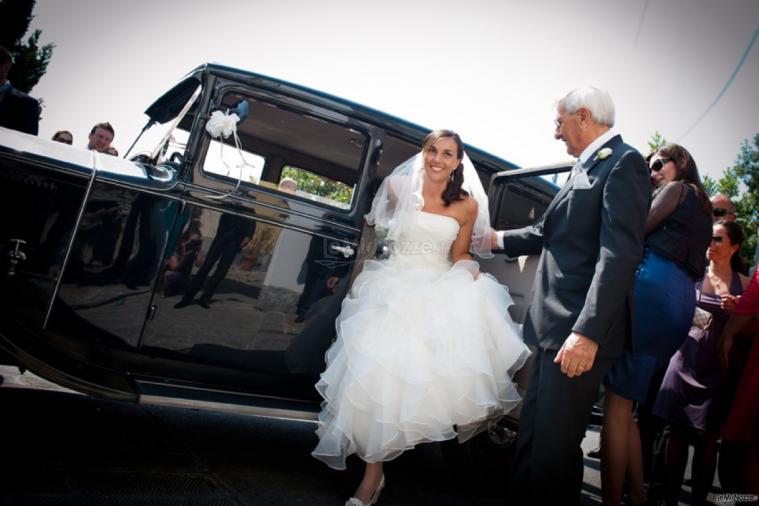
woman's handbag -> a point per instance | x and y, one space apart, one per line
702 318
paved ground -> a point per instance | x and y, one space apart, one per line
65 448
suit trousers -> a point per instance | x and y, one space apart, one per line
548 465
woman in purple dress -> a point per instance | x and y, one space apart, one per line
696 392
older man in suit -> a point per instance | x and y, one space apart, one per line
18 110
590 241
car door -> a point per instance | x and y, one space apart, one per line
263 251
518 198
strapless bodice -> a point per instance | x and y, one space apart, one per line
426 239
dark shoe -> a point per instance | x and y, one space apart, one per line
300 318
182 303
204 303
595 453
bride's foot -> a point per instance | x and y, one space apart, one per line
368 492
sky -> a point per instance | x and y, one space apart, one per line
490 69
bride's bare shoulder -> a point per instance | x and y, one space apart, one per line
469 205
465 209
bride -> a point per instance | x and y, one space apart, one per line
425 348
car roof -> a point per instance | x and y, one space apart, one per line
388 122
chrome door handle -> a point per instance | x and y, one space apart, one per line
346 251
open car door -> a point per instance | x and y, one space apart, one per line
518 198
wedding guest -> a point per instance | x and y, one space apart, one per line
288 184
590 240
100 137
678 231
425 346
188 254
18 111
722 208
696 392
63 136
742 424
232 234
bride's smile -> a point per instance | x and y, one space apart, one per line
440 159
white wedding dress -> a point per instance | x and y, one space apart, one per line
424 352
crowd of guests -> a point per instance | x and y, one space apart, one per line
100 138
686 362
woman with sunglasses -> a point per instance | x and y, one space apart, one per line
678 231
63 136
696 392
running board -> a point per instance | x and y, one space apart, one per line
180 396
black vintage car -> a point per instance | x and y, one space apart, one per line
194 273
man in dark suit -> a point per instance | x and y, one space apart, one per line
590 241
18 110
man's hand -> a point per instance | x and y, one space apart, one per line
576 355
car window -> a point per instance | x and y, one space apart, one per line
520 207
278 143
395 151
311 185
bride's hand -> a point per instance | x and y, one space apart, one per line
468 265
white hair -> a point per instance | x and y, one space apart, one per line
596 100
288 181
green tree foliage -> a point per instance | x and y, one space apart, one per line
31 59
746 170
655 142
728 184
710 185
319 185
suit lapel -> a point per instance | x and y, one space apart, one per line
611 143
559 196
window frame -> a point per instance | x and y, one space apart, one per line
297 106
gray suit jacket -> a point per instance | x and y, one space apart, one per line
590 243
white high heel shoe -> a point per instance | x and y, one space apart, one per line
354 501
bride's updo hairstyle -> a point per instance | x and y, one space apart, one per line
453 191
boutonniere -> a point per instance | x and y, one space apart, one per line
602 153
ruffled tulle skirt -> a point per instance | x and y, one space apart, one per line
423 353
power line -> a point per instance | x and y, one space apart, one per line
724 88
640 22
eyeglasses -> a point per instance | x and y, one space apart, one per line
560 120
719 212
717 238
659 163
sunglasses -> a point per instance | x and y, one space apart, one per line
659 163
717 238
719 212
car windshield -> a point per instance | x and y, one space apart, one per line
167 141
